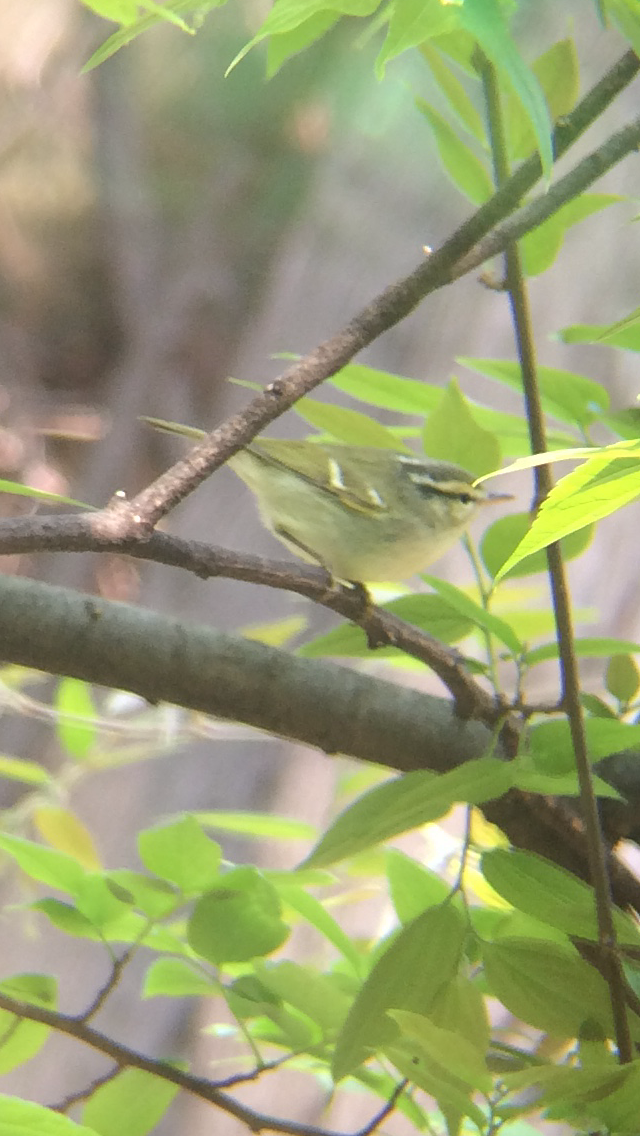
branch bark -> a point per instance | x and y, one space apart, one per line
315 702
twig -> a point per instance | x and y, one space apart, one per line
130 1058
84 1094
385 1111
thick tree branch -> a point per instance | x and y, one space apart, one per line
315 702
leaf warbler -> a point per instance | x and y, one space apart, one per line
362 513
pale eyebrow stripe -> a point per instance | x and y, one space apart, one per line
335 475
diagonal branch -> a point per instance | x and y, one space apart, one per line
455 257
130 1058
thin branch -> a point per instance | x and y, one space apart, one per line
84 1094
462 252
385 1111
597 851
130 1058
109 986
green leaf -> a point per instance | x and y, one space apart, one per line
454 92
411 22
451 432
467 172
501 539
348 426
540 247
622 679
133 1103
449 1049
413 887
316 915
319 996
177 978
46 865
65 831
588 647
287 15
532 780
408 802
66 918
75 723
451 1094
132 30
486 22
420 960
626 15
549 893
20 1040
155 898
460 1006
38 989
256 825
386 390
565 395
239 920
18 490
409 396
552 750
282 47
428 612
480 616
624 332
547 985
24 1118
22 769
595 489
558 74
181 853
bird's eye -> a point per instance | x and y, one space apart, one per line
466 498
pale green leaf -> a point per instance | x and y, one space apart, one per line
567 396
22 769
76 714
595 489
181 853
454 92
348 426
452 433
24 1118
467 172
131 1104
547 985
479 615
486 21
257 825
238 920
550 894
502 537
411 22
407 802
177 978
420 960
